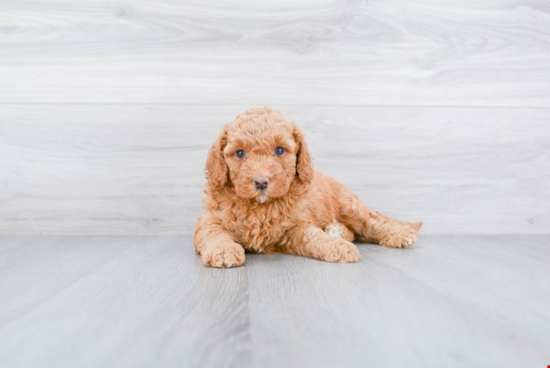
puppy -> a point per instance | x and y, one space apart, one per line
263 196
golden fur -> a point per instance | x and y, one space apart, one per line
300 212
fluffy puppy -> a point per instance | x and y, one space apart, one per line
262 195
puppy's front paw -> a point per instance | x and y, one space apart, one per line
223 255
401 235
341 251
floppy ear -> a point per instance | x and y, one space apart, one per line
216 170
304 169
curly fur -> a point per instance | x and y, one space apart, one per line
300 212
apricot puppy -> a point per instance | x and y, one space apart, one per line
262 195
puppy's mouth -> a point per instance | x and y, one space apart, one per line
262 197
261 184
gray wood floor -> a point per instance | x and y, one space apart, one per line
144 301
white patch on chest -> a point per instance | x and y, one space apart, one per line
334 229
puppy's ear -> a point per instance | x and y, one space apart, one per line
216 170
304 169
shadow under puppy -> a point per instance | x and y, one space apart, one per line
262 195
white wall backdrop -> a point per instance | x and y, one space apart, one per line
431 110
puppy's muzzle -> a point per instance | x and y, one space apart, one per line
261 182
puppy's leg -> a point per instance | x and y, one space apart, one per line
391 233
216 247
374 226
313 242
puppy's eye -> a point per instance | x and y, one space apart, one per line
279 151
239 153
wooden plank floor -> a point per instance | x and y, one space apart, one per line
144 301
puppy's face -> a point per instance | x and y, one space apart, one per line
260 155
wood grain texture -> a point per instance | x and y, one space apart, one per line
453 53
450 301
138 169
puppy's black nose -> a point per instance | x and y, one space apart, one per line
261 182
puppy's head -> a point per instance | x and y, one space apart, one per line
260 155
